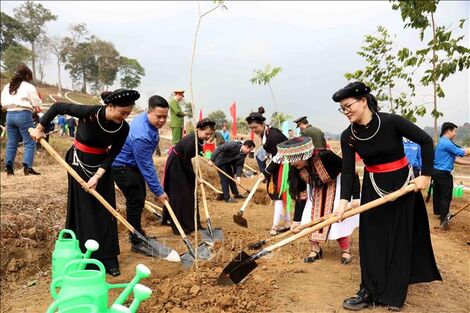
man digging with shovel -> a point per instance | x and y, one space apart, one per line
134 167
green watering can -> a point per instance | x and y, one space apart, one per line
81 284
141 293
68 249
457 191
79 308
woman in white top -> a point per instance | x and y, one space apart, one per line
20 99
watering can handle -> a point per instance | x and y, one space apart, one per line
54 306
84 261
67 231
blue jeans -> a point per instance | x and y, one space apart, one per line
17 124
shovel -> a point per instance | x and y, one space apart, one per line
238 218
226 175
445 222
210 234
243 264
259 244
187 259
158 216
158 248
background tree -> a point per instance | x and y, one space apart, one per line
218 117
383 72
12 56
277 118
444 52
42 56
106 61
10 29
33 17
78 55
57 47
131 72
242 125
265 76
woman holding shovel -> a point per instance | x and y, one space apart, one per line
179 178
314 178
101 133
271 137
394 242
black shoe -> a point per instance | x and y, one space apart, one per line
135 240
229 200
220 197
360 301
113 271
239 196
312 258
9 170
30 171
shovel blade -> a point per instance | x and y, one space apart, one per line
204 251
159 250
240 221
256 245
242 265
217 234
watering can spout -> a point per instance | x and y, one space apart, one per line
141 271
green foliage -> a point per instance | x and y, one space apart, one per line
10 30
242 125
277 118
12 56
80 62
263 77
218 117
188 109
106 59
443 52
131 72
33 16
384 71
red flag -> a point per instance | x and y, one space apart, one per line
233 113
200 114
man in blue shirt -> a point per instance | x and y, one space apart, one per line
133 167
413 155
444 158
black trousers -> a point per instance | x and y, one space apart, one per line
132 184
442 193
226 182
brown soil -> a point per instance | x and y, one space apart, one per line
33 211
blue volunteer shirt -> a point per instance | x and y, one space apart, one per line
413 153
138 150
445 153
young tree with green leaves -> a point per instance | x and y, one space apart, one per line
443 52
10 30
12 56
131 72
383 72
33 16
264 77
106 59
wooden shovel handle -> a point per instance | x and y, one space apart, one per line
225 174
460 210
250 168
209 185
203 192
148 205
82 182
252 192
388 198
175 220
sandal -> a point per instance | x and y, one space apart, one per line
274 231
313 256
345 260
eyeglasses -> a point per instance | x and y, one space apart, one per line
346 108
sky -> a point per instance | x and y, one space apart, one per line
315 43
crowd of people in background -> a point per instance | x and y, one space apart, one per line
107 150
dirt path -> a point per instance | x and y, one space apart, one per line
34 207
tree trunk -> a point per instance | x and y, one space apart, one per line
434 80
84 82
59 92
392 109
272 94
33 59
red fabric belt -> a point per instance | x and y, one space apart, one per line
87 149
387 167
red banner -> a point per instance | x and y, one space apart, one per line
233 113
200 114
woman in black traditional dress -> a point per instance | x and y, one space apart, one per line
271 137
394 242
179 178
101 133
